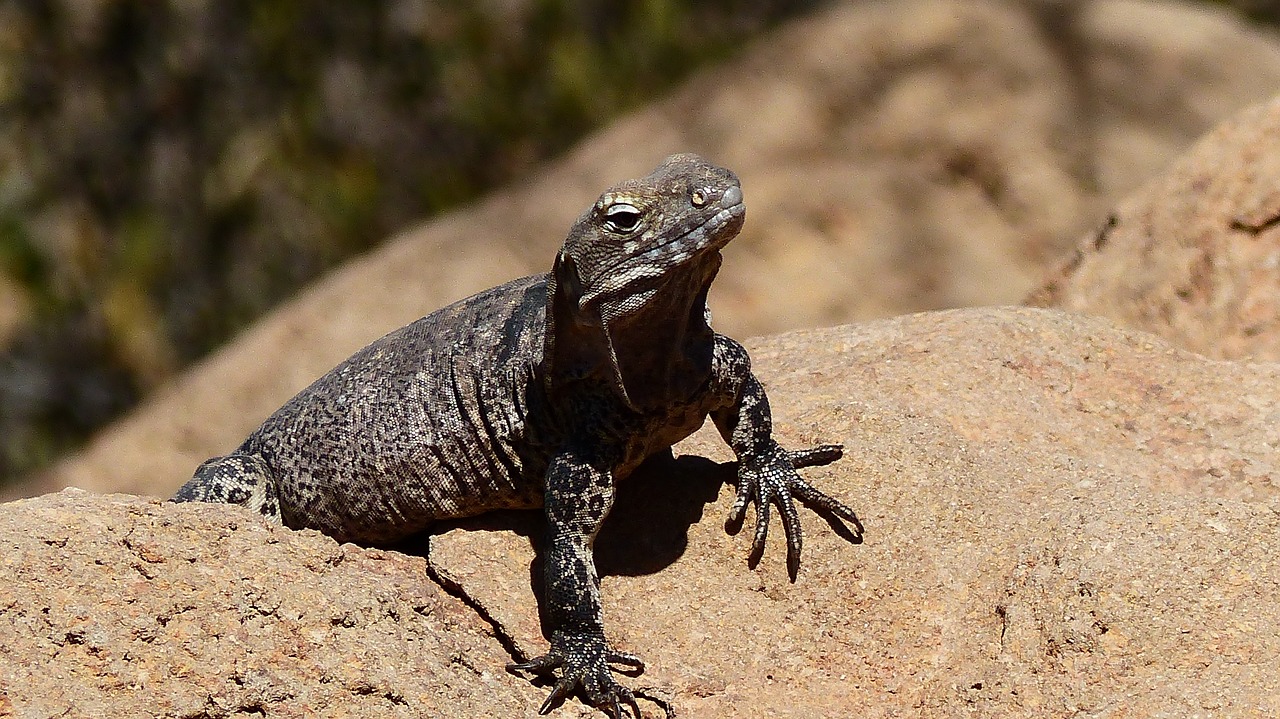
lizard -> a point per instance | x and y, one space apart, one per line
543 392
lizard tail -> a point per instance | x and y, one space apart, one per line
237 478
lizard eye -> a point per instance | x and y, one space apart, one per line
621 218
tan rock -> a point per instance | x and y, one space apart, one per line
1195 255
116 606
1061 517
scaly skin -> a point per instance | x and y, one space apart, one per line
546 391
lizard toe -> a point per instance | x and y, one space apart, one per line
538 665
626 659
815 456
564 686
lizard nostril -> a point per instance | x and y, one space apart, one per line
732 196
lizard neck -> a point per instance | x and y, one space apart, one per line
652 357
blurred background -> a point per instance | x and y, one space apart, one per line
171 170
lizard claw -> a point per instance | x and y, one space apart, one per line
538 665
769 479
584 662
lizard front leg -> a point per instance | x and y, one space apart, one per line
766 472
578 498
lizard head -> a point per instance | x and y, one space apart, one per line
640 233
643 255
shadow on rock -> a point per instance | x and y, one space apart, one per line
648 528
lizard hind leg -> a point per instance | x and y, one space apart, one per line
237 478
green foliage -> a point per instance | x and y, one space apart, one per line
169 170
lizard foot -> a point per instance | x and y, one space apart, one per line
584 661
769 478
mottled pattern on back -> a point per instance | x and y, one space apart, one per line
428 422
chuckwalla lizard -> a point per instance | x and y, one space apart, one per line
546 391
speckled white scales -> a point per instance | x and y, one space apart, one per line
545 391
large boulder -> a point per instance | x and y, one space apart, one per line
1195 255
1062 517
896 157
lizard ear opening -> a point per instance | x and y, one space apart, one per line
565 290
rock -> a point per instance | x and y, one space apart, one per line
116 606
1195 255
1062 516
896 157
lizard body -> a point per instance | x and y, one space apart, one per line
545 391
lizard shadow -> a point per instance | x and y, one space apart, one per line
646 530
648 527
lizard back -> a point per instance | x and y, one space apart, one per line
428 422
